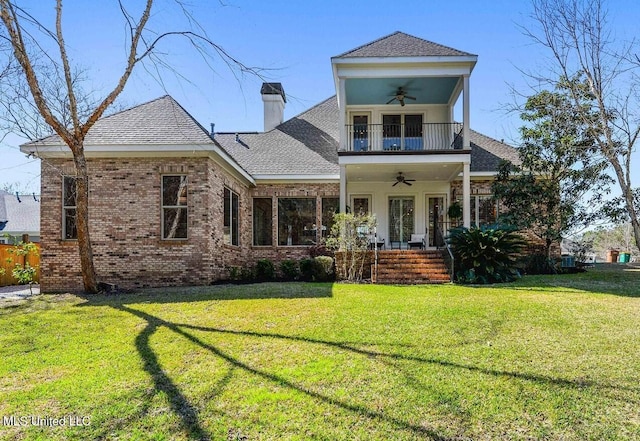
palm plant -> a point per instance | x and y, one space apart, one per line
486 254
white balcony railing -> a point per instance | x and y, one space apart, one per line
403 137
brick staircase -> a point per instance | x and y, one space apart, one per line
410 267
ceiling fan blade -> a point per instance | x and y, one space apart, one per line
391 100
396 183
408 183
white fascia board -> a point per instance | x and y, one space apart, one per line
468 59
231 163
402 71
404 159
143 151
109 151
320 178
478 175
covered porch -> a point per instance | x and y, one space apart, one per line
409 195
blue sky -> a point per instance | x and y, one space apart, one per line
296 41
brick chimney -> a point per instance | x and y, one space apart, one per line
274 99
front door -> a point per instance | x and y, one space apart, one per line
435 218
401 220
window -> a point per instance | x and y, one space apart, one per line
262 222
487 212
361 205
69 225
330 206
484 210
231 217
296 221
174 207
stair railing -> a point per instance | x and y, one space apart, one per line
445 249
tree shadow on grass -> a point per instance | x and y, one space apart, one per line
267 290
614 279
188 414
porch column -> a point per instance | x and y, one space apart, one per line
343 189
342 112
466 195
466 140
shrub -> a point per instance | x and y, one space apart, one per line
323 269
235 273
487 254
306 269
265 270
350 236
289 269
539 263
247 274
320 250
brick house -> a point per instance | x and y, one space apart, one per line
172 203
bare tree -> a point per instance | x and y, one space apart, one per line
578 36
48 87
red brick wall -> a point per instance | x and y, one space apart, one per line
125 224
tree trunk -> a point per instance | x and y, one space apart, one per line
82 219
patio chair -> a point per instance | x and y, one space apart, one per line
373 243
417 241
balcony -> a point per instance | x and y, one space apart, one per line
403 137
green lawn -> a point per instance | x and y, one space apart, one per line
543 358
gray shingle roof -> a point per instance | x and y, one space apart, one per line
21 217
400 44
303 145
161 122
486 153
307 144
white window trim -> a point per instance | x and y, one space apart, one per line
68 207
224 215
163 207
315 199
361 196
253 207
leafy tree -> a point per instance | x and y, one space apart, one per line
559 183
42 88
580 41
350 236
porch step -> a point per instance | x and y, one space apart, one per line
411 267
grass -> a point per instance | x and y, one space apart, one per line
543 358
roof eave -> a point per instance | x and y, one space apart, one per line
472 59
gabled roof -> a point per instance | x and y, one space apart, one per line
306 144
22 213
161 122
400 44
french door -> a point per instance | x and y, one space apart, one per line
401 219
435 217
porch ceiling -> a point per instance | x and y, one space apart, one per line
388 172
426 90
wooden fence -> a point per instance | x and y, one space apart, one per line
33 260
